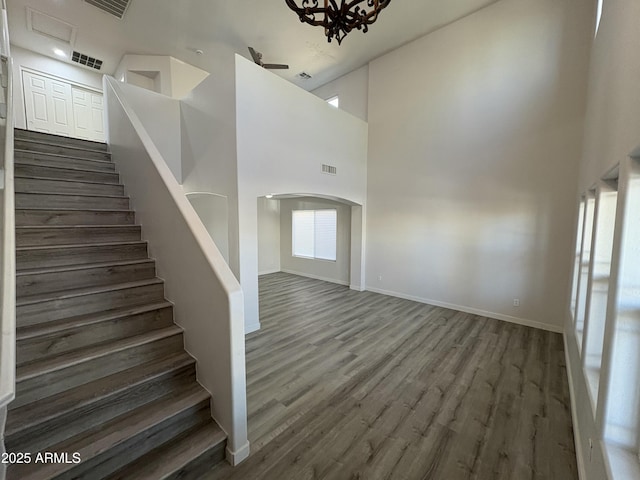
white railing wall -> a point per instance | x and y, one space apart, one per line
207 297
7 238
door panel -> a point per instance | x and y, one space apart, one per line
48 104
88 111
55 106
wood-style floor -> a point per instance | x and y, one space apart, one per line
351 385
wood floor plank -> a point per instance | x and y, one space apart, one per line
357 385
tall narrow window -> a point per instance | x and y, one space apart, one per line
576 266
314 233
605 219
598 16
585 258
334 101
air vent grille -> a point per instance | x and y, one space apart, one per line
86 60
304 76
117 8
329 169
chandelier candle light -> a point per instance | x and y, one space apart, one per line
338 21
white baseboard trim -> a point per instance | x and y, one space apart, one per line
267 272
498 316
315 277
582 474
254 327
234 458
357 288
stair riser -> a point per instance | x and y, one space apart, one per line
40 348
36 283
198 468
32 185
49 160
58 140
61 150
101 410
58 257
63 217
112 460
34 200
27 170
34 237
59 308
48 384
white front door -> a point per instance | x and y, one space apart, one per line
48 104
87 114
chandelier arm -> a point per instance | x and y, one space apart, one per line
339 21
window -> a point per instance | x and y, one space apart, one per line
598 15
334 101
314 233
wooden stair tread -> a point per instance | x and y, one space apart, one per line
57 405
24 133
83 266
88 210
98 195
67 227
68 180
60 326
19 151
169 459
60 362
78 292
105 437
33 163
78 245
59 145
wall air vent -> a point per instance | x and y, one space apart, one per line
117 8
329 169
304 76
86 60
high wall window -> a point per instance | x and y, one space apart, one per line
334 101
599 282
598 15
314 233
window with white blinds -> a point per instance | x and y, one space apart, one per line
314 233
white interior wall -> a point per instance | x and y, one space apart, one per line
208 145
281 141
184 77
338 271
160 116
132 69
268 235
352 90
612 131
474 137
160 73
23 58
213 211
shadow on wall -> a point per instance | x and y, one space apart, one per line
213 211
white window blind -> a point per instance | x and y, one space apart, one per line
314 233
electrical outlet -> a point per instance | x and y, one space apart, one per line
516 302
379 278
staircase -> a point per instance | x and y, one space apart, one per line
102 375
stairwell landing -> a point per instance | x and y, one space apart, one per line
102 378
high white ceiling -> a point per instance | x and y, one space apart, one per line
180 27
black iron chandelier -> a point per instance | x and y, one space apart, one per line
339 20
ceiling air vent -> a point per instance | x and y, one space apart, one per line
86 60
304 76
329 169
117 8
